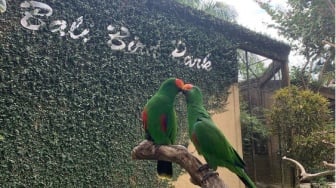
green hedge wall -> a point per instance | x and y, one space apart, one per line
70 108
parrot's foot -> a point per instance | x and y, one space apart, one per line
148 137
208 175
204 167
157 146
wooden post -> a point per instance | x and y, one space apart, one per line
285 74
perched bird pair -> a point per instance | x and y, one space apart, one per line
160 125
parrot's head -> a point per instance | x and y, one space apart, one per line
172 85
193 94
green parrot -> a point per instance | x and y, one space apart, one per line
209 141
159 119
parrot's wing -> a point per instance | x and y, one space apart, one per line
213 145
160 121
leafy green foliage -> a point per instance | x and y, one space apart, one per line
242 38
218 9
303 123
191 3
256 67
299 78
251 124
310 25
70 111
254 131
318 145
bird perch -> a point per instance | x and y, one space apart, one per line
307 176
146 150
330 165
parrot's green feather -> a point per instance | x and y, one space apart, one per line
209 140
160 121
217 154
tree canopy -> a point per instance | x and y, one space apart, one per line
302 121
217 9
310 26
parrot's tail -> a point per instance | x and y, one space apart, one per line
165 169
243 177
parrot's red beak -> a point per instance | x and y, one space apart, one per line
179 83
187 87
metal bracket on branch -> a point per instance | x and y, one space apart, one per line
146 150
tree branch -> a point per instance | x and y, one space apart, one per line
180 155
330 165
307 176
331 7
329 43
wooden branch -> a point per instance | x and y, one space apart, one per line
331 7
180 155
307 176
330 165
329 43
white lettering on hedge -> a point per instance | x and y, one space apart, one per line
180 51
134 45
75 25
117 42
36 13
3 6
58 25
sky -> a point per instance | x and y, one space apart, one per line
251 16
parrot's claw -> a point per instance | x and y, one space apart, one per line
203 167
157 146
208 175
